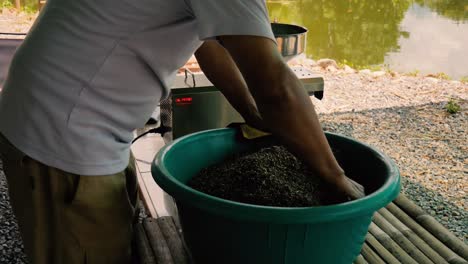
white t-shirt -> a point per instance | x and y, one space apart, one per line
90 72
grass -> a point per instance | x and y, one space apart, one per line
443 76
27 8
375 67
452 106
6 4
464 79
440 75
413 73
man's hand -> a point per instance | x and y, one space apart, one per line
286 108
351 188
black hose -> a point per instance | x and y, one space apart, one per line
158 130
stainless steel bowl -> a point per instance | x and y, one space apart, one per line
291 39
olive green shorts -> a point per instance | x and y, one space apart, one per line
66 218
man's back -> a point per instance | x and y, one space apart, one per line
88 74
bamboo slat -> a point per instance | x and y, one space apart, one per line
431 224
400 233
144 251
360 260
157 242
417 241
370 256
439 247
401 240
379 249
174 241
391 245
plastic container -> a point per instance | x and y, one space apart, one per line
223 231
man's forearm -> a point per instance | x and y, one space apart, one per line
283 103
222 71
291 116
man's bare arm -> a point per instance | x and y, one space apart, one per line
222 71
285 107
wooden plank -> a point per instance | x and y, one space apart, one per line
157 241
156 195
144 151
400 239
179 252
143 247
417 241
431 224
439 247
145 195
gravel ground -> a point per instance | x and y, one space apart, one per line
11 247
432 166
14 22
405 117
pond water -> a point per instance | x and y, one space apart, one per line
430 36
404 35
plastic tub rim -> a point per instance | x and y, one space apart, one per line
189 196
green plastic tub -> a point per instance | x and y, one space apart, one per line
222 231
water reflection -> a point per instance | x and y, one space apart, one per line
427 35
456 10
436 44
366 32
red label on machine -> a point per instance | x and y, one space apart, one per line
183 100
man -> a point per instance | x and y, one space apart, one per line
90 72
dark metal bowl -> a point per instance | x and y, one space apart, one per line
291 39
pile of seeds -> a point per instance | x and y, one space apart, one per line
271 176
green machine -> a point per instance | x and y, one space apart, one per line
195 104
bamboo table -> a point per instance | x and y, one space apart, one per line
400 233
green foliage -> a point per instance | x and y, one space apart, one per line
375 67
341 64
27 6
452 106
443 76
464 79
413 73
29 9
344 62
6 4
